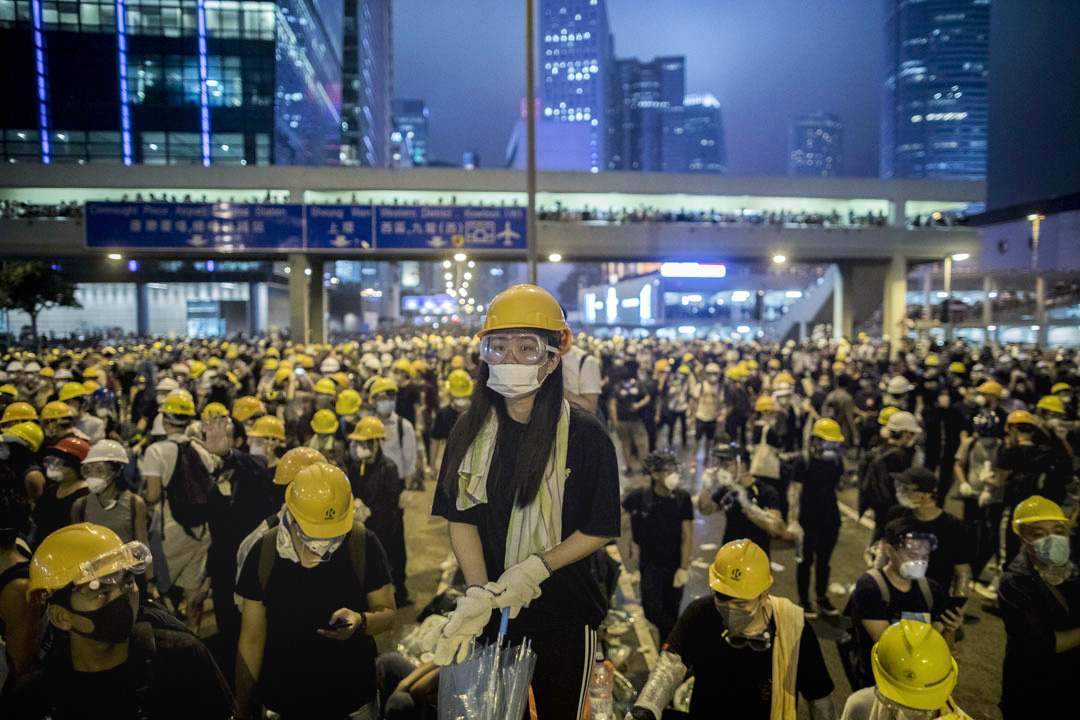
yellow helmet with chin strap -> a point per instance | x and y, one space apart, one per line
369 428
828 429
460 384
324 422
348 402
527 306
320 499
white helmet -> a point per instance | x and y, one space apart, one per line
32 367
898 385
106 451
167 385
14 366
63 374
370 362
386 360
902 422
329 365
181 369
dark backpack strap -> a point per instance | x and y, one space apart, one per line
267 556
358 552
928 596
883 587
584 357
401 434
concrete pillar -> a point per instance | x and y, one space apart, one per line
988 304
1042 336
897 218
298 298
802 330
894 318
142 304
843 302
928 286
316 303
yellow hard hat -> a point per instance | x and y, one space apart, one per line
838 367
71 390
270 364
765 403
47 372
828 429
29 432
990 387
1058 387
527 306
661 365
957 367
683 370
1019 417
90 386
457 362
247 407
81 553
932 361
324 422
212 362
19 411
282 375
91 372
268 426
381 385
320 499
403 365
1036 509
272 352
687 357
179 402
784 377
341 379
293 462
305 361
215 409
56 410
418 366
913 666
1051 403
348 402
368 428
774 364
460 384
741 569
326 386
9 389
752 364
886 413
196 369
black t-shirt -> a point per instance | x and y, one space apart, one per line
1035 470
629 393
739 526
304 673
590 504
52 512
408 397
444 422
819 478
656 522
738 680
954 542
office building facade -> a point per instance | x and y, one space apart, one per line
647 115
703 134
815 146
575 53
934 102
221 82
367 83
411 122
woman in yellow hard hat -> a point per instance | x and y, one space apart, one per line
460 387
19 447
531 490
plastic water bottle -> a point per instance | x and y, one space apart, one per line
601 706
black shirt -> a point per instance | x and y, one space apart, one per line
52 512
739 526
629 393
1035 470
407 398
590 504
738 680
819 478
304 673
656 522
444 422
954 542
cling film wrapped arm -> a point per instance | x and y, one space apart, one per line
663 681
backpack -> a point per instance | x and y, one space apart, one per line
189 488
357 543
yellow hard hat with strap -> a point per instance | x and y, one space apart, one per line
320 499
913 666
828 429
369 428
741 570
527 306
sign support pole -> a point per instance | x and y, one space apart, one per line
530 122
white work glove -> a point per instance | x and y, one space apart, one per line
681 578
985 498
363 512
472 614
966 490
519 585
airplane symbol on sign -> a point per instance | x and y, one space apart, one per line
507 235
197 240
340 241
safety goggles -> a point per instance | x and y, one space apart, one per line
523 348
111 567
757 643
322 547
97 470
919 542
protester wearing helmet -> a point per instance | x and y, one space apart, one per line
110 504
460 387
899 590
661 522
400 443
63 488
116 661
408 396
975 470
19 459
628 407
706 407
877 489
914 677
751 652
519 448
582 384
751 506
324 435
20 619
57 420
315 589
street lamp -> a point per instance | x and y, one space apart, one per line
1040 289
779 259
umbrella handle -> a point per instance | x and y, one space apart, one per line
504 621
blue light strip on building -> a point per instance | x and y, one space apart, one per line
204 98
125 110
39 62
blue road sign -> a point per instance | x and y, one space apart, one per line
443 227
194 226
339 227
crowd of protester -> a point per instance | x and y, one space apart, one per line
147 486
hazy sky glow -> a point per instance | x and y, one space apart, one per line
765 60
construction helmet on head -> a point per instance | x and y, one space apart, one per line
1051 403
828 429
369 428
527 306
247 407
214 409
106 451
20 411
9 390
293 462
26 433
270 364
72 390
91 372
765 403
460 384
78 554
268 426
71 446
1036 509
957 368
1019 417
90 386
348 402
320 499
381 385
403 365
913 666
886 413
990 387
324 422
1061 386
179 402
197 368
741 570
57 410
326 386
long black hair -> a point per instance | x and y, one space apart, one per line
536 443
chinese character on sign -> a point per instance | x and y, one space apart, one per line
181 226
135 226
452 227
399 227
348 227
258 226
198 226
416 229
215 226
243 226
333 228
386 227
166 226
431 228
151 225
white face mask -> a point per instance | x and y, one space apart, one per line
258 450
671 480
513 380
54 473
97 485
913 569
385 407
360 452
102 412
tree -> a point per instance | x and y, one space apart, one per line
32 287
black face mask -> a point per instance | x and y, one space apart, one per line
113 621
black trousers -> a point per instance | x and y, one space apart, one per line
668 420
391 533
659 598
818 545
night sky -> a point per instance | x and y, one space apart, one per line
765 60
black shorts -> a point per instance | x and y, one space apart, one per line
705 428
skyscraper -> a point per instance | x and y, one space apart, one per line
934 111
236 83
367 83
411 120
575 49
815 146
647 111
703 132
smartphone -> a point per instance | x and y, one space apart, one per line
336 623
955 603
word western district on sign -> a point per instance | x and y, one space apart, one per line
251 227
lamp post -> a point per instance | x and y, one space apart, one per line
1040 289
531 239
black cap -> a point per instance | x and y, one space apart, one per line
924 480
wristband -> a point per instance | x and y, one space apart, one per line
546 566
363 622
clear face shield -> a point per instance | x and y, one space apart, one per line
111 568
517 348
886 709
